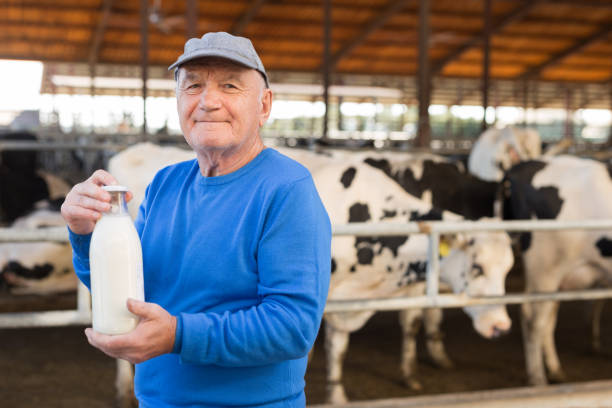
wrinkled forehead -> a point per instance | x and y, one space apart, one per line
216 65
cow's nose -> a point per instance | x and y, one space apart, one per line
498 332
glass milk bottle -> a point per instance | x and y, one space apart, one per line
115 258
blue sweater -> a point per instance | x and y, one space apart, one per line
243 260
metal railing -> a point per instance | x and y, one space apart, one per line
59 145
80 315
434 229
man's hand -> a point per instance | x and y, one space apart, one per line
86 202
153 336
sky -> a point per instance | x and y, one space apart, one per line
20 90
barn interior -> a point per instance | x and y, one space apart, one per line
391 58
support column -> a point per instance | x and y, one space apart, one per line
495 104
144 58
486 45
340 118
192 18
535 97
525 101
569 128
449 123
609 143
92 93
326 64
424 81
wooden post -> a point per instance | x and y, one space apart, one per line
423 85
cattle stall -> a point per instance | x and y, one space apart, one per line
585 392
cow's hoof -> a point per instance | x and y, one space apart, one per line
336 395
445 363
414 385
537 381
557 377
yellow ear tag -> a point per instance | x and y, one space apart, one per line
444 249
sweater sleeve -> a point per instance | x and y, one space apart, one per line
80 256
294 262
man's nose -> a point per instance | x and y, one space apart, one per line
210 99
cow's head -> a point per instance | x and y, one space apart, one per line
477 265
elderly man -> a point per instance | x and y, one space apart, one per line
236 248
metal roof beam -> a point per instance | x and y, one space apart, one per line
247 17
99 33
602 34
581 3
520 12
377 22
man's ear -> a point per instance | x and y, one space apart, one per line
266 106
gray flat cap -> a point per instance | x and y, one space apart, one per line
222 45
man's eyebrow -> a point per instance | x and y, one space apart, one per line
190 76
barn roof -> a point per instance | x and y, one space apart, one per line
550 45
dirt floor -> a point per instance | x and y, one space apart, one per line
55 367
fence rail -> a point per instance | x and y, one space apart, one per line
433 299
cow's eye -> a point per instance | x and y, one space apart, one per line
477 271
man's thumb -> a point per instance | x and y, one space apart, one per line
140 308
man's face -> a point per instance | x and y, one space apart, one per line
221 105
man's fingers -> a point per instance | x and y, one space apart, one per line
108 344
97 340
92 204
102 178
78 213
92 190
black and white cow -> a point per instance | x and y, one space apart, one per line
372 267
445 184
560 188
30 198
495 152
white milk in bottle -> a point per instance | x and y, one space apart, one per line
115 258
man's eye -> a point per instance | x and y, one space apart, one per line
229 86
192 88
